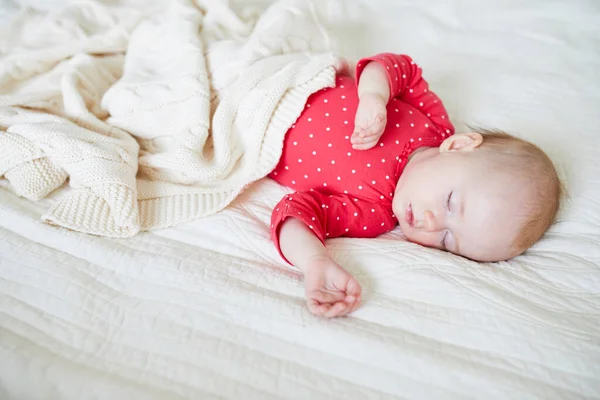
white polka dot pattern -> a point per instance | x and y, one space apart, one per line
350 194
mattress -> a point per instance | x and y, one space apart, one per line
209 310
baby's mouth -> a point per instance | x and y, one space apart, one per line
408 215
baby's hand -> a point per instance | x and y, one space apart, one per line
330 290
370 121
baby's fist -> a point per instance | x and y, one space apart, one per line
330 290
369 122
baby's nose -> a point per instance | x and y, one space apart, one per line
428 222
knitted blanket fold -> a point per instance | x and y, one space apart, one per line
154 117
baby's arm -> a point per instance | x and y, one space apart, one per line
374 80
330 290
371 114
406 83
302 221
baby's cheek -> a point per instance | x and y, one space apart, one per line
423 238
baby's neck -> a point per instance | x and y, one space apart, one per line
418 152
415 155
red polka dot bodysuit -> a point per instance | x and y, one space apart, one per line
345 192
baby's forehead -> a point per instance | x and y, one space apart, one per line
502 195
498 175
490 225
497 197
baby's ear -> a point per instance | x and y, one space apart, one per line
462 142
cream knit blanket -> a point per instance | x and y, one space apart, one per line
155 117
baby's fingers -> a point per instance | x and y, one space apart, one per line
365 146
353 288
355 304
362 135
362 140
337 310
323 296
316 308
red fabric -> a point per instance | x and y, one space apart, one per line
346 192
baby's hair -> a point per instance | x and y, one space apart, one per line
524 157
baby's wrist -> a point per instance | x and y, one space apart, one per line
307 263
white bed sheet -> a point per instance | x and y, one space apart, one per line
208 310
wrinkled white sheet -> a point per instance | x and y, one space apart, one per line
208 310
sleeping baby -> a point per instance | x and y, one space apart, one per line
379 151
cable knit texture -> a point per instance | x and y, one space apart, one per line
156 117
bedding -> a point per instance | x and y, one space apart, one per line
207 309
130 131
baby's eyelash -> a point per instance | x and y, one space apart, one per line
448 199
443 241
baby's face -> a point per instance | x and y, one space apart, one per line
453 201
